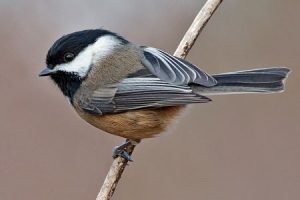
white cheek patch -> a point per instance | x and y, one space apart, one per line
104 47
82 63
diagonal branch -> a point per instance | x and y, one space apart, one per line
196 27
117 168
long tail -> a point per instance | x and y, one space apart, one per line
267 80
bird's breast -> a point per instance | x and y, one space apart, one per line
135 124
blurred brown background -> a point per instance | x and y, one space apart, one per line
236 147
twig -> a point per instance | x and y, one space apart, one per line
115 172
113 176
196 27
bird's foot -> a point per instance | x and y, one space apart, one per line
121 150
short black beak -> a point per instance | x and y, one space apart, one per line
46 72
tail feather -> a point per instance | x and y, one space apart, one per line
265 80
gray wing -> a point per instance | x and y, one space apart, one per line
174 70
136 93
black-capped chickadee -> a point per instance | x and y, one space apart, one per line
136 91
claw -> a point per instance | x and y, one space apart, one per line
122 152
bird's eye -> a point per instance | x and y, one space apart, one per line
68 57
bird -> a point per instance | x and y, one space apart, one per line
136 91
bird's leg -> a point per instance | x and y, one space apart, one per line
121 150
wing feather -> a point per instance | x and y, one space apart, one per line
175 70
136 93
